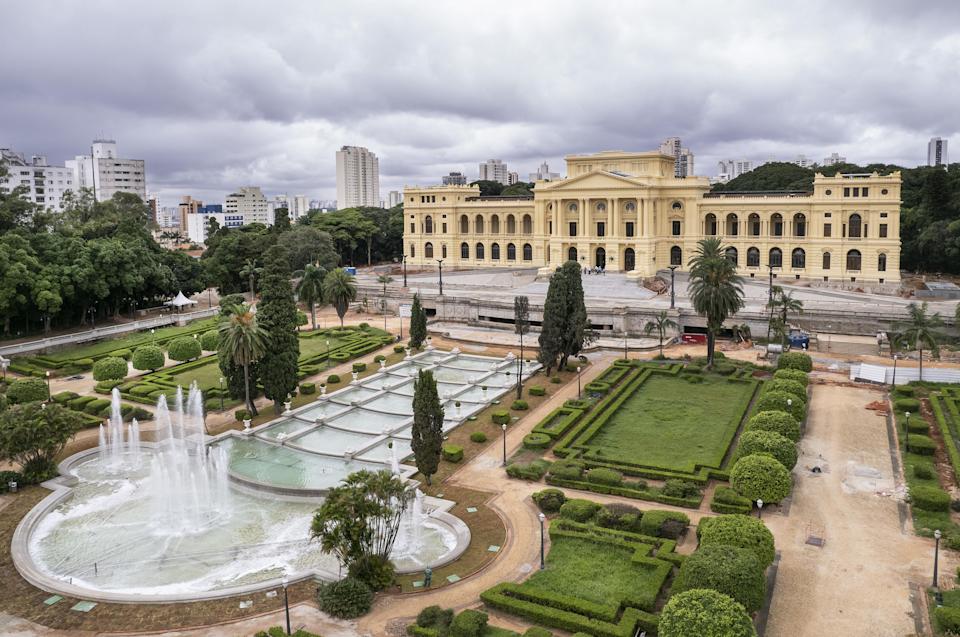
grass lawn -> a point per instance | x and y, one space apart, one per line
318 345
672 424
207 376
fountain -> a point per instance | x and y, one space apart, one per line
115 454
394 461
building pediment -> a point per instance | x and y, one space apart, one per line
599 180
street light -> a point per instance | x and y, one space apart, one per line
221 393
759 508
673 296
286 601
504 427
542 518
49 397
894 383
578 383
403 258
906 431
440 265
152 338
328 354
4 364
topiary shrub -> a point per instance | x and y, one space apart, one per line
436 618
241 415
469 623
106 386
124 353
478 436
769 442
148 357
579 510
782 401
929 498
332 379
359 367
83 363
567 470
379 358
6 477
922 445
948 619
726 500
704 613
27 390
922 471
777 421
904 391
537 631
308 388
619 516
917 426
519 405
792 374
110 368
532 471
742 531
792 387
795 360
761 477
347 599
680 489
97 406
602 475
210 341
907 404
726 569
452 453
64 397
500 417
184 348
660 523
536 440
556 380
538 391
549 500
399 349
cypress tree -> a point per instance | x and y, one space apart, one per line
576 328
277 314
554 318
427 431
418 324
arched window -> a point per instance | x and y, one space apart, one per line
478 224
753 225
511 224
601 207
527 252
629 259
443 251
495 224
882 262
731 253
826 260
854 227
464 250
798 259
479 251
572 208
495 252
776 257
676 205
527 224
464 224
511 252
753 258
799 225
676 256
710 225
630 207
601 258
428 250
571 254
428 224
413 251
733 225
776 225
853 260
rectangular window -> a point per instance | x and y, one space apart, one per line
549 227
573 228
866 192
827 229
675 228
629 229
601 228
444 226
846 191
413 228
883 231
883 215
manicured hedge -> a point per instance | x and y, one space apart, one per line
726 569
549 500
519 405
533 471
333 379
379 358
782 401
478 436
148 357
792 374
308 388
604 476
948 618
538 391
452 453
26 390
399 349
704 613
726 500
907 404
904 391
742 531
668 524
210 341
536 441
597 387
795 360
359 367
922 445
558 422
638 491
792 387
770 442
106 386
110 368
184 348
500 417
777 421
761 477
579 510
929 498
64 397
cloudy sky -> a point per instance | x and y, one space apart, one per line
217 94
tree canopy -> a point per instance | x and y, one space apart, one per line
377 231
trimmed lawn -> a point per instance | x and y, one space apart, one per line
673 424
207 376
318 345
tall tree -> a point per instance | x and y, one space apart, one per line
554 321
418 324
310 289
245 343
251 271
384 279
339 290
277 315
576 328
427 431
660 324
781 305
919 331
33 435
521 325
715 289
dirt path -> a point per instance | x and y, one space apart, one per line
859 582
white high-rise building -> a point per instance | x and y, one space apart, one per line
394 198
494 170
937 152
107 174
834 159
299 207
44 185
249 203
358 177
683 158
728 169
454 179
543 174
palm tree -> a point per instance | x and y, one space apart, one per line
715 289
784 303
246 342
338 290
384 279
250 271
660 324
310 289
918 331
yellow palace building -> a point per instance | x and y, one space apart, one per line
626 211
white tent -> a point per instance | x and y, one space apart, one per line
180 301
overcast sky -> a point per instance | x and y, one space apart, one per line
218 94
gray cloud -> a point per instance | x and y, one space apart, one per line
218 94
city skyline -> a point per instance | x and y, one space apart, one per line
274 111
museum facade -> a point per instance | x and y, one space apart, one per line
626 211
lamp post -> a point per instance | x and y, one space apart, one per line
542 518
440 265
504 427
894 383
759 508
4 364
625 341
49 397
769 301
286 600
906 431
153 339
328 355
221 392
673 296
579 394
936 555
93 317
403 258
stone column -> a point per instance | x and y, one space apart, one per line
613 217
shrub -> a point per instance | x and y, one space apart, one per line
567 470
792 387
110 368
399 349
374 571
184 348
469 623
346 599
106 386
64 396
660 523
745 532
922 445
124 353
536 440
95 407
148 357
537 631
923 471
555 380
519 405
359 367
339 357
379 358
602 475
769 442
907 404
333 379
78 403
436 618
929 498
533 471
680 489
904 391
241 415
27 390
726 500
795 360
478 436
579 510
308 388
918 426
704 613
761 477
724 369
500 417
538 391
948 618
727 569
452 453
6 477
140 414
792 374
549 500
210 341
777 421
782 401
83 363
619 516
